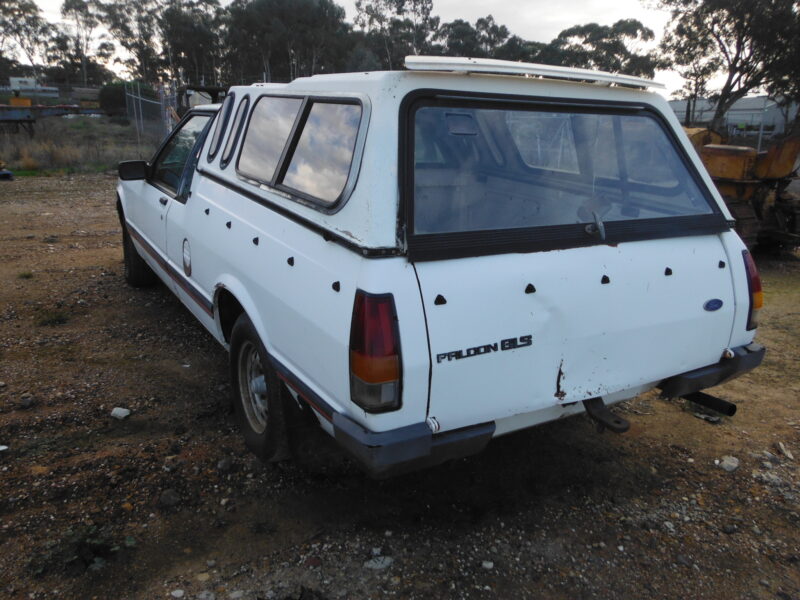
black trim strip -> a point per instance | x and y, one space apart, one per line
306 393
327 235
291 144
173 273
427 338
439 246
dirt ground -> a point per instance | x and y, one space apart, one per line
168 504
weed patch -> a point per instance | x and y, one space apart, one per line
77 145
51 318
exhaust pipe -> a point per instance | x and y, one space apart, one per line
717 404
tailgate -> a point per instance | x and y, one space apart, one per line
515 333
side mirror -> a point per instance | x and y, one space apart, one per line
132 169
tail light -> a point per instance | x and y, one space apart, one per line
756 293
375 367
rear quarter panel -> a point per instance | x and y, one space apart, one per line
303 320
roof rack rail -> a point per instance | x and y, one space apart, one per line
507 67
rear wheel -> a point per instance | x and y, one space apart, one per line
137 272
258 394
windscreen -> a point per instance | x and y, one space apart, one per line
478 169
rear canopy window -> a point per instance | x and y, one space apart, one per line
270 125
236 130
219 127
478 169
321 161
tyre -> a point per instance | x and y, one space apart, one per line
258 394
137 272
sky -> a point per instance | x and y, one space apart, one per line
532 20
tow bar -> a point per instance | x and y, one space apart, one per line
718 404
598 410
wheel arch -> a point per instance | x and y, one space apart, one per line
231 300
120 212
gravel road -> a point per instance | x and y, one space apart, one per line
166 503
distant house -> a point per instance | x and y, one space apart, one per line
747 114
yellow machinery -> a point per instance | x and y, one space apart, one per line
755 187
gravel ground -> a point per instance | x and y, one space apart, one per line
166 503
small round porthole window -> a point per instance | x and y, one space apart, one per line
187 258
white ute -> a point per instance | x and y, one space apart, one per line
421 260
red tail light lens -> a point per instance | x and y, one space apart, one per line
375 367
756 293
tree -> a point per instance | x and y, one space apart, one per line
697 64
362 58
23 23
279 40
61 52
375 17
190 39
397 28
491 36
515 48
782 76
85 17
696 75
460 38
417 14
134 24
615 48
745 37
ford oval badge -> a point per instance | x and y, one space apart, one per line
713 304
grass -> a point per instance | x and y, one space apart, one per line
78 144
51 318
25 275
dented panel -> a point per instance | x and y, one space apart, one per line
587 338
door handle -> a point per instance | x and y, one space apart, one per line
163 201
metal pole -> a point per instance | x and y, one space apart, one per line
761 126
136 124
141 112
127 104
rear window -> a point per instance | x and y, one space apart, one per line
270 125
320 164
479 169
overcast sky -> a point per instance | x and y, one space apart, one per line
533 20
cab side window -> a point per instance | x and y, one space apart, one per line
168 167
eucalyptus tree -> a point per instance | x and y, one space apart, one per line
746 39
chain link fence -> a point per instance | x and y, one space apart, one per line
153 116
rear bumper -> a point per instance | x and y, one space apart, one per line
745 358
409 448
386 453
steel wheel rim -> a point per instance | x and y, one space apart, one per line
253 387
